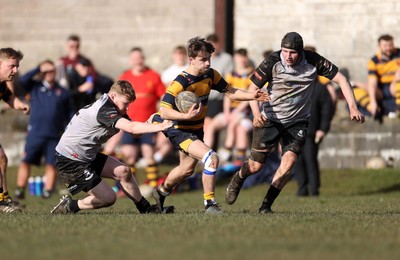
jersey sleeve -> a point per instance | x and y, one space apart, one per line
219 83
263 73
108 115
324 66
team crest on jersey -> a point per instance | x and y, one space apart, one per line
300 134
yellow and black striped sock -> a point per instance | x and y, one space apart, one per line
209 196
152 174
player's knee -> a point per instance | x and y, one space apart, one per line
211 161
110 199
125 174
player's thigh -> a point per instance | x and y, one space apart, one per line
198 149
186 163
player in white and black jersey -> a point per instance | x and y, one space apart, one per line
81 165
291 74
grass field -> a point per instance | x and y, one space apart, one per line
357 216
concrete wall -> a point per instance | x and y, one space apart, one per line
108 28
344 31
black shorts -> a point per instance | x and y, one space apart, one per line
80 176
291 136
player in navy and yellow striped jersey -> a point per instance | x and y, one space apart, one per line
187 132
382 79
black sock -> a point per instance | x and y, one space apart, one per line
73 206
269 199
142 205
1 190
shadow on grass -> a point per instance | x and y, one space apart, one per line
392 188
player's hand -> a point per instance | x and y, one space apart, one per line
258 120
261 96
25 109
166 124
193 112
356 115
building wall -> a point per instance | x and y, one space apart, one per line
344 31
108 28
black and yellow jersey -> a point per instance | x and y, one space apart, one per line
384 69
201 86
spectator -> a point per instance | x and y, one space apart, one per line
49 116
187 133
81 84
291 74
383 70
80 164
71 58
149 90
235 115
9 64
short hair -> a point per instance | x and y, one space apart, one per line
137 49
212 38
310 48
10 53
180 49
267 53
47 61
385 37
74 37
241 51
123 87
198 45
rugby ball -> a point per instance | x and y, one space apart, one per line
185 100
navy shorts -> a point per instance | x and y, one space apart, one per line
181 139
291 136
80 176
139 139
36 147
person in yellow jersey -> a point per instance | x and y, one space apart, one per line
187 133
383 76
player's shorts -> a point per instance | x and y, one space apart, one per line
138 139
181 139
37 146
80 176
291 136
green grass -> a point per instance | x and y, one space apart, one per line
357 216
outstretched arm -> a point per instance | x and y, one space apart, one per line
347 91
242 95
134 127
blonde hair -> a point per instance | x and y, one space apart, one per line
124 88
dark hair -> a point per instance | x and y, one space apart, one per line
10 53
198 45
310 48
267 53
385 37
85 62
74 37
137 49
241 51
